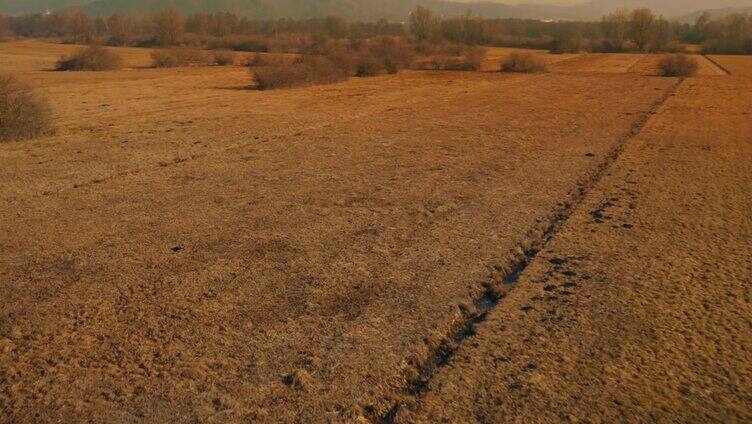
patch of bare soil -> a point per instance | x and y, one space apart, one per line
639 309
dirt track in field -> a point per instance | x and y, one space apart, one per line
185 249
640 309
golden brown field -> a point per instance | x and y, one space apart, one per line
422 247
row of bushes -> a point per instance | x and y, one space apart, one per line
373 57
170 58
98 58
331 62
315 70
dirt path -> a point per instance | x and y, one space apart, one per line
639 309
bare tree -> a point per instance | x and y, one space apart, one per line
641 27
423 23
5 28
169 26
615 27
82 28
200 24
120 28
336 27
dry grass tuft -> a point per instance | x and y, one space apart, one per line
678 65
92 58
23 115
523 62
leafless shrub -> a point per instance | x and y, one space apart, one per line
92 58
471 60
270 59
394 53
369 65
523 62
182 56
23 115
434 63
308 70
164 58
474 58
678 65
224 58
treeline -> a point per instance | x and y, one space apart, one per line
168 27
636 30
620 31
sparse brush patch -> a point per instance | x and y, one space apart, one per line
270 59
193 57
436 63
678 65
164 58
471 60
23 115
329 61
92 58
474 58
369 65
453 57
391 55
224 58
308 70
182 56
523 62
251 46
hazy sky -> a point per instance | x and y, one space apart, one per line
572 2
557 2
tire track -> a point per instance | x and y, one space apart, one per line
505 278
722 68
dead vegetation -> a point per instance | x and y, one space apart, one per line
523 62
308 70
92 58
23 114
224 58
270 59
384 55
453 58
183 56
326 62
678 65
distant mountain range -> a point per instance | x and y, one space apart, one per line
395 10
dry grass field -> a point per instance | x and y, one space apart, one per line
187 249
